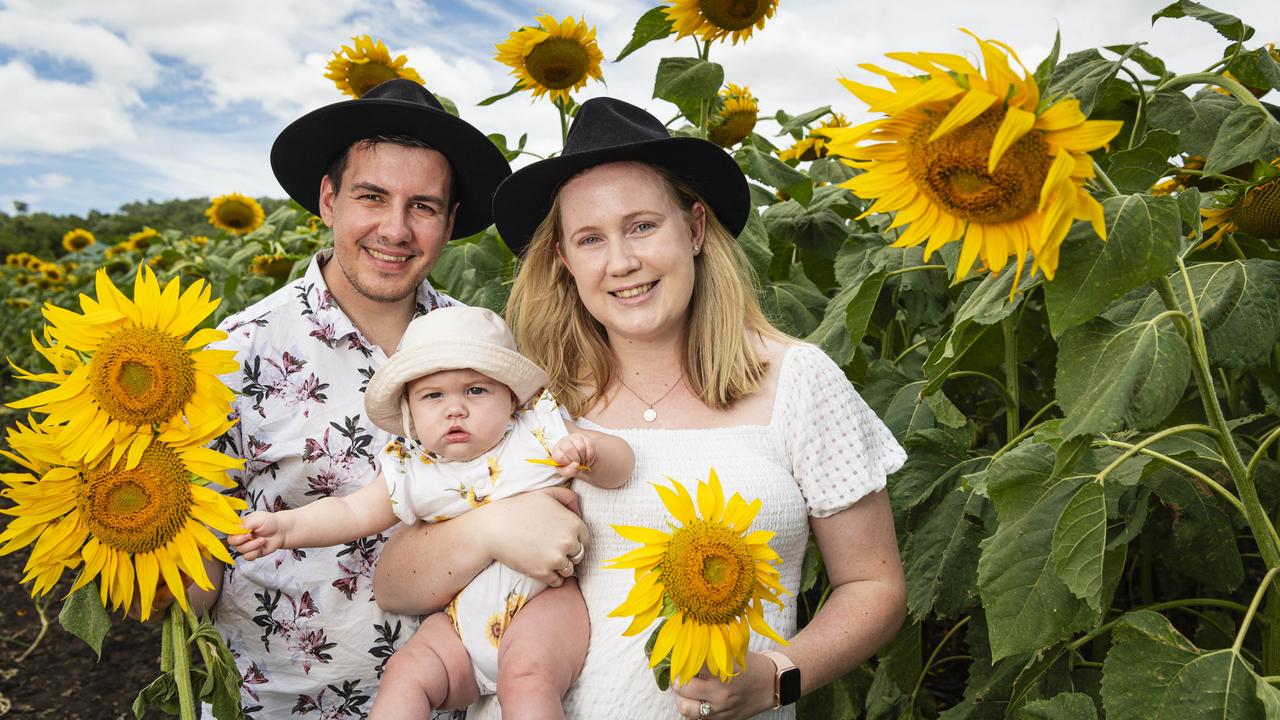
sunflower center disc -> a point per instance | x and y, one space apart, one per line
137 510
733 14
1259 211
362 77
557 63
709 572
952 170
141 375
735 127
237 215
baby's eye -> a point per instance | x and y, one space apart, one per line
433 396
476 390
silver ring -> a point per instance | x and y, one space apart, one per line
577 557
704 709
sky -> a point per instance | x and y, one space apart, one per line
114 102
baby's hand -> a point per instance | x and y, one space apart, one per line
265 535
574 452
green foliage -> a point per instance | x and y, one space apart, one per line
82 615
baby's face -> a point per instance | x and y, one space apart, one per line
459 414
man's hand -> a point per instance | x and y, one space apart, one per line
573 453
266 535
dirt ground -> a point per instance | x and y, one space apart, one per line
61 678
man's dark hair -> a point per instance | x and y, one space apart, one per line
339 164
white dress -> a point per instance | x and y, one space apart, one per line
822 450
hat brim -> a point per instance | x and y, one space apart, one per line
306 148
523 200
386 387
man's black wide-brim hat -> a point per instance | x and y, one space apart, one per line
609 130
306 148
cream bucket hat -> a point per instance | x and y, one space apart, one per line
449 338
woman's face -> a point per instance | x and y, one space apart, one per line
630 248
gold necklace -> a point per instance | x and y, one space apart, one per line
650 414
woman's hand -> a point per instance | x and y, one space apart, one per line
747 694
537 533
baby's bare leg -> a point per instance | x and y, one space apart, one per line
542 652
431 670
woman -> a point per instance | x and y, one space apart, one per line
637 300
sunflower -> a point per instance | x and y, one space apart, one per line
76 240
358 70
16 260
117 250
963 156
146 371
719 19
708 576
556 58
33 263
737 116
52 272
235 213
814 146
143 239
128 527
1255 211
278 265
199 240
18 303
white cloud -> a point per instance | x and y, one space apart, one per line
58 117
49 181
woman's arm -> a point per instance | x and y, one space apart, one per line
422 567
866 607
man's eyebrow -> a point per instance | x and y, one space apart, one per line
369 187
365 186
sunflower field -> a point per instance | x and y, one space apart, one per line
1057 282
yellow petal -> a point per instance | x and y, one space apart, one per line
971 105
1016 123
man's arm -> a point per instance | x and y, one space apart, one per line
422 567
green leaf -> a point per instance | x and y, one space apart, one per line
1120 376
986 695
1146 60
653 25
754 240
1239 304
1027 606
1195 120
476 271
1249 133
1046 67
82 615
1079 542
776 174
161 694
495 98
1255 69
1144 235
1138 168
800 122
849 310
687 79
1203 545
940 556
839 700
899 666
1154 673
812 568
790 304
1064 706
1228 26
831 170
1084 76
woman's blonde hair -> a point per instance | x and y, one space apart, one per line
554 329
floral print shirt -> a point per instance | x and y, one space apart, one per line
309 639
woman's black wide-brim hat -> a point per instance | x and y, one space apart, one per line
306 148
609 130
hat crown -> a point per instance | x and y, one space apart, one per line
457 323
404 91
605 122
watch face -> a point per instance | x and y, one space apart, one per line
789 686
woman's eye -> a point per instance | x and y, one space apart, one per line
645 226
589 240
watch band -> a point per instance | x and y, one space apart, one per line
783 667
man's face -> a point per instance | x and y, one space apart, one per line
390 218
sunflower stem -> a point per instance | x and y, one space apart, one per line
1012 393
1240 92
1260 526
564 123
1140 115
176 625
924 670
1105 179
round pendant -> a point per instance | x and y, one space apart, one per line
650 415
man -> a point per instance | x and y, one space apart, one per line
395 177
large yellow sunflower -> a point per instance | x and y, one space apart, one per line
974 157
737 117
709 572
76 240
146 371
357 70
126 527
814 146
1255 211
556 58
719 19
235 213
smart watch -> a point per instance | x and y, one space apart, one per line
786 680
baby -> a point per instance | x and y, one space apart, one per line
478 426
